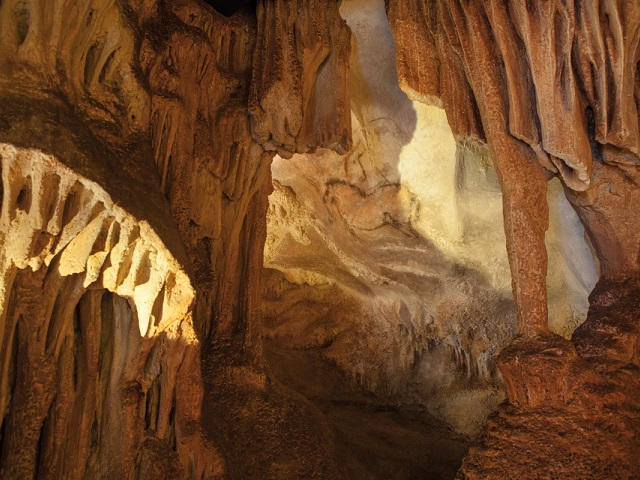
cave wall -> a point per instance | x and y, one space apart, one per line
135 161
406 229
136 140
552 88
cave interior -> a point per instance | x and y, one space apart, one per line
320 239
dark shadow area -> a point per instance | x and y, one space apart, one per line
372 441
229 7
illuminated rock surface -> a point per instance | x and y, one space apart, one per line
405 235
394 171
552 87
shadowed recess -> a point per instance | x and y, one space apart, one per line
229 7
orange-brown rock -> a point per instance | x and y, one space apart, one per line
552 88
302 53
575 411
97 332
497 84
133 217
136 140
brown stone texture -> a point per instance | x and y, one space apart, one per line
548 81
136 146
302 49
380 278
552 87
133 219
574 409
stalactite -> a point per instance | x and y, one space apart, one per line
65 242
302 51
554 86
136 115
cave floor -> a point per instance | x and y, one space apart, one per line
372 441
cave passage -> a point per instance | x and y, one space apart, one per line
319 239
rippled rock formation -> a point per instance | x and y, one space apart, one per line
403 241
552 88
156 155
133 218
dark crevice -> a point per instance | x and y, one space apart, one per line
152 409
229 7
173 441
77 345
72 204
158 306
610 87
143 270
13 369
531 7
41 468
23 200
596 149
50 190
53 327
22 22
106 338
105 68
90 63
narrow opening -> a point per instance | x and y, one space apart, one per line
23 199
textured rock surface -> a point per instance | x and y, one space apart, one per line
535 114
301 53
397 249
97 335
136 139
553 86
575 411
133 221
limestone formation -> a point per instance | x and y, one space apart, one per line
575 404
156 155
133 218
398 240
97 330
552 88
301 52
566 115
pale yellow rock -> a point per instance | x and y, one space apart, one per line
409 226
139 263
